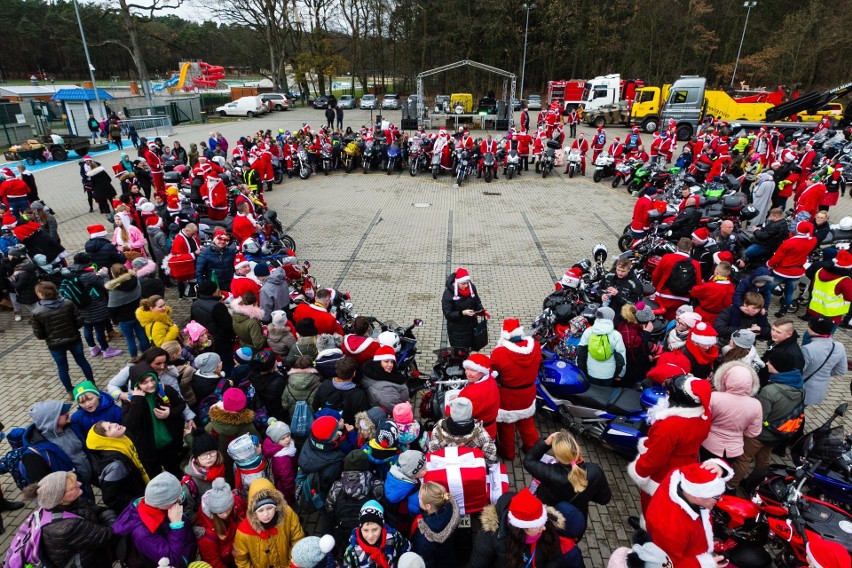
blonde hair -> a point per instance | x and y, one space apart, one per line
434 494
566 450
173 348
628 313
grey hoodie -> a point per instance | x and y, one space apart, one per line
274 294
45 415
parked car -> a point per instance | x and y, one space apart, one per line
279 100
534 102
346 101
320 102
391 102
516 104
368 102
243 106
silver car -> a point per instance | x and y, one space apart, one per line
534 102
391 102
346 101
368 102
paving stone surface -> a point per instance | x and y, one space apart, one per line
363 234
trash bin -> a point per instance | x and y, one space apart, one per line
203 117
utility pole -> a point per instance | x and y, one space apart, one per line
748 6
89 61
526 6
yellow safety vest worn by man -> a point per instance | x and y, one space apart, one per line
832 291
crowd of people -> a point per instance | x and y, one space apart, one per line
225 431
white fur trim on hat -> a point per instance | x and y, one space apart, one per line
517 332
535 523
385 357
699 337
701 490
468 364
521 347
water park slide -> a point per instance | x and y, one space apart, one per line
167 84
184 69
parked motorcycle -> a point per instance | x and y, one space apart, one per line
548 158
624 171
513 164
278 171
327 155
369 157
489 166
393 157
445 381
574 162
417 157
604 167
463 167
301 165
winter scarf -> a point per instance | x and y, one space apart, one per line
151 517
701 356
162 436
123 445
343 385
208 474
376 553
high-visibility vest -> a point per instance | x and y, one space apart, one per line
823 299
250 178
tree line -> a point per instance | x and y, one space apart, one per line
386 43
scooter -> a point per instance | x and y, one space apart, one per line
604 166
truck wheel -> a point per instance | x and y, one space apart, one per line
650 125
223 113
684 132
599 121
59 154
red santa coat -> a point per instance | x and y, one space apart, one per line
13 188
217 198
674 439
242 284
789 260
655 145
643 206
185 245
580 144
713 297
524 140
484 396
263 167
243 227
664 270
616 149
517 365
685 535
359 348
810 198
538 143
324 321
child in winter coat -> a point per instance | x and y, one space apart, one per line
741 348
735 413
328 353
407 426
461 429
196 340
205 382
265 538
601 353
684 322
279 449
302 383
156 319
93 406
374 544
401 500
216 525
571 338
249 463
230 419
279 336
247 316
356 486
205 465
432 535
96 313
146 272
381 378
382 450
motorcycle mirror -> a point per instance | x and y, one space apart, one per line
306 264
841 410
418 322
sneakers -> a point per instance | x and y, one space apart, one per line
17 317
782 312
96 351
112 352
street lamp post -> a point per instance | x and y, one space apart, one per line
748 6
88 60
526 6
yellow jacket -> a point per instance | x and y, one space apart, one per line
256 547
158 326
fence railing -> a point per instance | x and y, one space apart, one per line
149 126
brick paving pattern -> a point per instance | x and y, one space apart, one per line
363 234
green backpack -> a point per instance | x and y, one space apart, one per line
599 347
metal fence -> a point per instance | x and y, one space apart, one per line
149 126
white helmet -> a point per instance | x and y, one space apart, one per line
250 246
845 224
389 339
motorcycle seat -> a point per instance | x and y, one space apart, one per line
612 399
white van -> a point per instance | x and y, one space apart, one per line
244 106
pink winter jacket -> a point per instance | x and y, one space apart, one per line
283 469
736 414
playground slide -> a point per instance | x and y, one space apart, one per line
184 69
168 84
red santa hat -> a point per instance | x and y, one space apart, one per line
462 275
842 260
822 553
511 328
670 364
384 353
697 481
173 203
220 235
152 145
96 231
8 173
805 228
479 363
723 256
703 334
635 130
240 261
701 234
571 278
154 221
26 230
9 220
526 511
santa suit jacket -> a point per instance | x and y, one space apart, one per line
644 205
359 348
811 198
713 297
789 260
485 399
674 439
664 270
517 365
324 321
684 534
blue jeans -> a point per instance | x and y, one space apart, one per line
100 332
753 251
18 204
789 288
60 355
133 331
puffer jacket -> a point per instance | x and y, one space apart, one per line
57 322
395 546
159 244
218 261
257 547
214 315
149 281
247 325
124 295
97 310
778 399
302 384
158 326
734 411
305 346
432 537
610 368
401 499
284 463
280 339
447 433
274 294
153 540
23 279
107 410
225 427
103 253
357 485
219 552
87 537
323 458
383 389
459 327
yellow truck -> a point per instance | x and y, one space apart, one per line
719 104
831 110
646 108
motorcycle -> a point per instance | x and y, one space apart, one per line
548 158
278 171
301 165
351 153
417 157
489 166
405 346
463 167
624 171
574 162
604 166
445 381
327 155
393 157
369 156
513 164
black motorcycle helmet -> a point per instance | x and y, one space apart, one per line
584 265
748 213
678 393
600 253
654 216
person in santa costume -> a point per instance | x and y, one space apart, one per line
822 553
243 226
186 242
524 141
678 517
598 143
156 166
581 145
243 280
788 262
516 359
216 197
659 279
810 198
482 391
263 167
318 311
680 423
715 295
461 304
701 349
358 344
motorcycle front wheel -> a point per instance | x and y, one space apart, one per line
366 167
288 243
279 178
510 173
412 169
624 242
616 181
571 170
487 175
349 165
544 171
434 172
305 172
598 175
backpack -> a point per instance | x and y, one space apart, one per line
203 414
682 278
309 497
346 512
12 462
72 288
599 347
303 419
788 426
24 550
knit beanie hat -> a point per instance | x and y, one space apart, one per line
276 429
644 313
411 463
202 442
461 409
605 313
234 400
139 263
218 499
139 371
372 512
243 450
411 560
243 354
206 363
82 259
328 412
306 328
689 318
820 326
163 491
781 360
403 413
356 460
311 550
207 288
387 434
194 330
51 489
324 429
279 318
377 414
744 338
261 269
89 387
